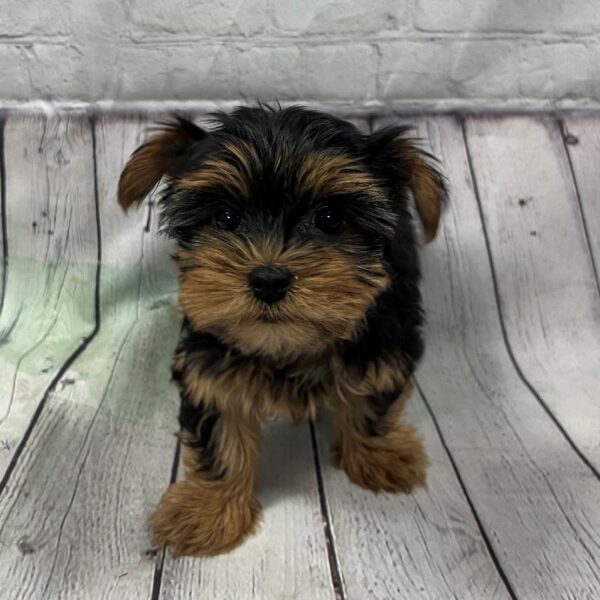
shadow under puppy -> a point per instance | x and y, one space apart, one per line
299 287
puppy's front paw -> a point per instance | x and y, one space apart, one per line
196 519
395 462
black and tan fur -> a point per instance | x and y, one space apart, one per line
309 194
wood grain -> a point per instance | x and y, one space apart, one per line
426 545
511 508
582 137
288 557
431 537
73 520
48 307
3 254
546 284
536 499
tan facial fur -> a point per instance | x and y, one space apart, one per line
327 302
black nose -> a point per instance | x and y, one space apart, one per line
270 283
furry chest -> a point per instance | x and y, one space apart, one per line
253 386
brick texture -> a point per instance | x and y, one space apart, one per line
330 17
345 52
511 16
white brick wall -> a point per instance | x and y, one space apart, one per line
355 53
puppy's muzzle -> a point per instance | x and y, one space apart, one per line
270 283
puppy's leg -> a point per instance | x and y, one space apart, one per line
371 443
213 509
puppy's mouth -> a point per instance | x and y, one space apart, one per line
273 316
273 319
291 303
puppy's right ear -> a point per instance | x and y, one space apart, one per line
163 155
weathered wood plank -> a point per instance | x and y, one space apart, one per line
535 497
3 239
582 137
73 520
49 300
424 545
546 284
288 556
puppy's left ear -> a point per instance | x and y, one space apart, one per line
406 166
162 155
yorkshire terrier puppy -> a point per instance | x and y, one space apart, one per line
299 286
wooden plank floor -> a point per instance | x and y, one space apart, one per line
508 398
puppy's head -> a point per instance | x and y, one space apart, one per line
290 223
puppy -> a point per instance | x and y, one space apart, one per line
299 289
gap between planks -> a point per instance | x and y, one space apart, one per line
502 319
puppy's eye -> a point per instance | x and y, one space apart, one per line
329 219
227 219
